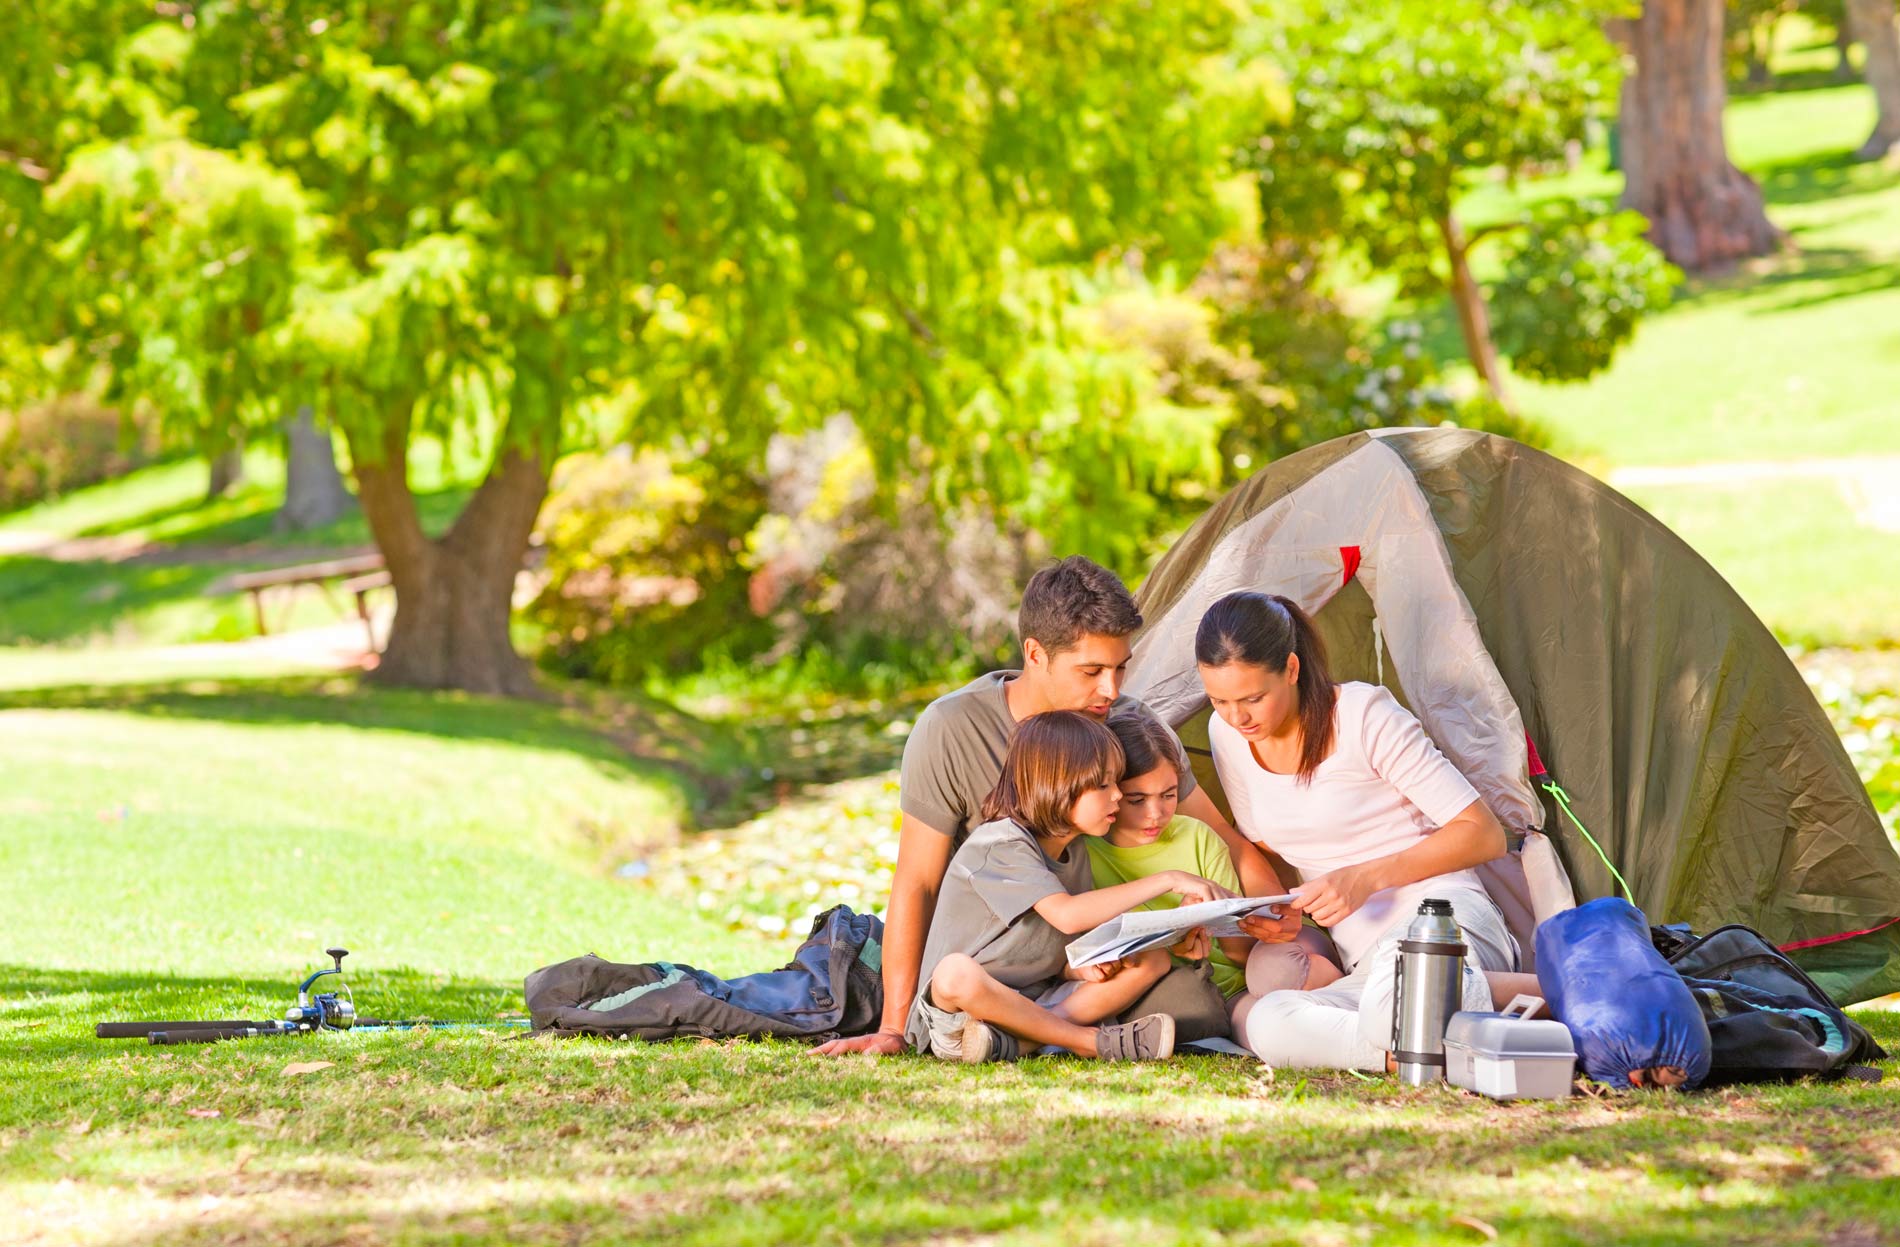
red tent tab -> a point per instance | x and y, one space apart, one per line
1349 556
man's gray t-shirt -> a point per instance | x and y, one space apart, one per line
955 754
987 910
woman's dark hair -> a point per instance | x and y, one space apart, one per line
1146 742
1262 629
1054 758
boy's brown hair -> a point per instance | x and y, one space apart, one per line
1071 599
1146 743
1054 758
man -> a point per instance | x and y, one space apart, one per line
1075 623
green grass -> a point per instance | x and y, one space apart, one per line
1795 552
187 849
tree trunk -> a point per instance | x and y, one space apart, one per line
453 593
314 493
1474 321
1703 211
227 469
1843 44
1873 23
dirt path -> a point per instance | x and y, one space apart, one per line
1869 484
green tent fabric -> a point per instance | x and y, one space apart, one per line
1501 593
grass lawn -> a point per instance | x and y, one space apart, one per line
187 850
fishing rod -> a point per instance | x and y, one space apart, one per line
326 1011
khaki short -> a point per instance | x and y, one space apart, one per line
946 1028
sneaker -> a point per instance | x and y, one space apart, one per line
983 1042
1144 1039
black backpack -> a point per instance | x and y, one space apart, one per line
1768 1021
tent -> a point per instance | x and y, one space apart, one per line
1553 638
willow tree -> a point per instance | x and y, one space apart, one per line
690 225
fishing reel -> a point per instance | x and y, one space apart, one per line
334 1011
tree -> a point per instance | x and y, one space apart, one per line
1703 211
314 492
692 224
1397 110
177 260
1873 23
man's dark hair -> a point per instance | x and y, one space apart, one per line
1074 598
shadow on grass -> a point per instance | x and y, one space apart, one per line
1831 175
760 1144
47 602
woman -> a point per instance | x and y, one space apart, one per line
1343 783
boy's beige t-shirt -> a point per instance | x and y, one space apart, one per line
987 911
955 754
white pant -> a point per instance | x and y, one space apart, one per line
1348 1024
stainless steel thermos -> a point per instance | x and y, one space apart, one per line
1429 990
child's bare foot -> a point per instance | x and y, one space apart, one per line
1145 1039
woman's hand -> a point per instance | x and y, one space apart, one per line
1270 930
1101 972
1194 945
1192 889
1336 895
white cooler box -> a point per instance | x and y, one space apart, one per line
1508 1056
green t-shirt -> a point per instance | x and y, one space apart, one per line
1184 844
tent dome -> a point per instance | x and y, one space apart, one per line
1525 611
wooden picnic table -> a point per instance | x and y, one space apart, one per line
359 573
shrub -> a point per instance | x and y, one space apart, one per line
69 443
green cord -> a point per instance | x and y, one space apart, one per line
1563 802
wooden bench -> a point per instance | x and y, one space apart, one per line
360 573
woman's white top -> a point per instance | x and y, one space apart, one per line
1383 788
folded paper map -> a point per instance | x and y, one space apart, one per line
1162 928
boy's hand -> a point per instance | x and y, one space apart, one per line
1194 945
1193 890
1099 973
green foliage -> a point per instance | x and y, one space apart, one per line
1573 291
640 568
1395 106
178 257
1398 109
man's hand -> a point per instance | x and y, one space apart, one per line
1099 973
1194 945
877 1043
1336 895
1270 930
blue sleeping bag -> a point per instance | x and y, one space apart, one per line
1625 1006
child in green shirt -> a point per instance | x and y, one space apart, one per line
1149 837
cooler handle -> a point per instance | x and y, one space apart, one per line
1531 1006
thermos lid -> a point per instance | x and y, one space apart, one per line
1435 906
